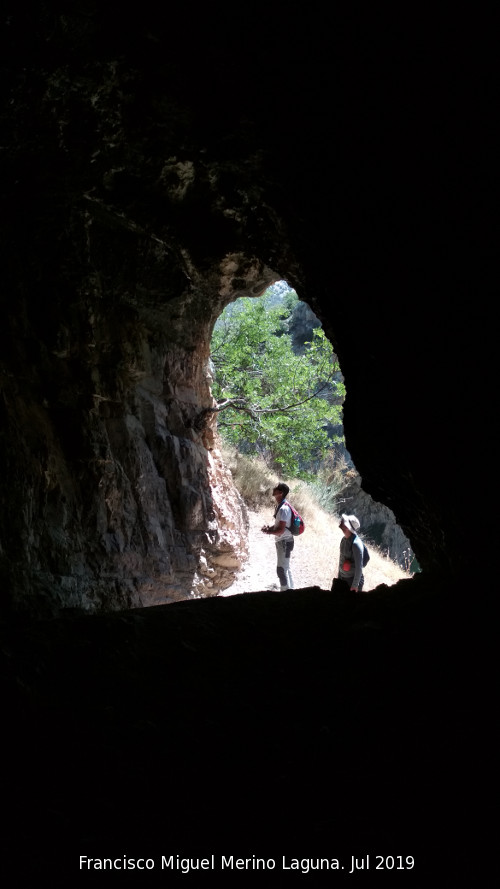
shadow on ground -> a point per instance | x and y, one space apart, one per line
264 724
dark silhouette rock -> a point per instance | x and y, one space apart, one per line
158 163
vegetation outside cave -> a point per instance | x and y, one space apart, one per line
277 383
279 392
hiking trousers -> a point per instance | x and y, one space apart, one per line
348 582
283 553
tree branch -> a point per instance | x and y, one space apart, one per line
240 404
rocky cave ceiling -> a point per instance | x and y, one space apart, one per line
150 177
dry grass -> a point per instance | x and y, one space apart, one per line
324 536
254 480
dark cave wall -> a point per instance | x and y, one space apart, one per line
117 495
150 176
120 251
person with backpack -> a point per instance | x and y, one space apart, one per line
284 538
353 554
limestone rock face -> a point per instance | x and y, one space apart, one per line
301 326
117 492
119 496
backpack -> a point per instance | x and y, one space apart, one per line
297 525
366 555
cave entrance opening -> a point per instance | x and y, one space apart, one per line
278 385
279 392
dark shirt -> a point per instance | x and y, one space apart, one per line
351 550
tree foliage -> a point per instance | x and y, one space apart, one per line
269 398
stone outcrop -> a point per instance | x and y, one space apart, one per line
378 523
301 325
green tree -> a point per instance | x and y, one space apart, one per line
268 397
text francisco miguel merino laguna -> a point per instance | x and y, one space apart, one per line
230 862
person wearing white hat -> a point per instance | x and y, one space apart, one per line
351 554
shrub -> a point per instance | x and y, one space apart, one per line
255 481
252 477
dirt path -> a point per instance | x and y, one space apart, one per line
307 569
314 560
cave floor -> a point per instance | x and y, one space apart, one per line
295 723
